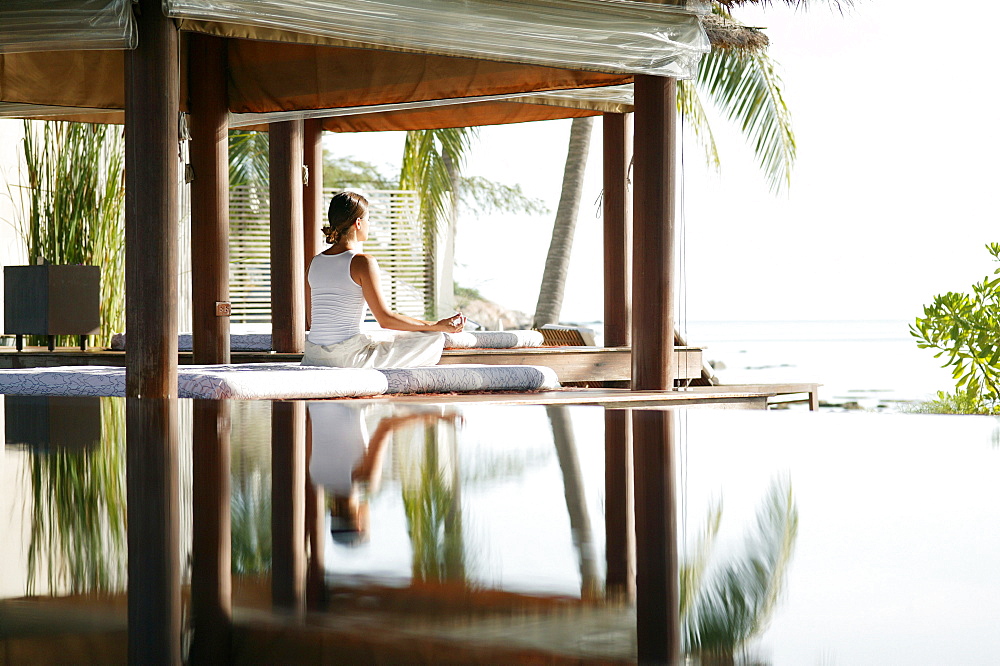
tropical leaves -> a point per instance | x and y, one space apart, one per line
77 522
965 329
249 161
732 606
745 87
432 160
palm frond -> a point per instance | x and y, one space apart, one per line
747 89
425 168
249 162
738 601
690 107
692 571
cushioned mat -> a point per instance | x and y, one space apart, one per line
469 378
492 339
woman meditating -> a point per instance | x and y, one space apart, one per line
342 280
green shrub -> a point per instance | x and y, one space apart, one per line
965 329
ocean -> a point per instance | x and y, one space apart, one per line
873 364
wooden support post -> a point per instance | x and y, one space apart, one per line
287 279
657 606
654 214
617 230
313 217
619 505
154 583
209 199
151 206
288 472
211 542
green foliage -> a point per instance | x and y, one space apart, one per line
746 88
249 159
432 160
77 529
434 516
345 172
466 294
482 196
961 402
73 206
251 521
732 606
965 329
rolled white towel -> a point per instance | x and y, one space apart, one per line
493 339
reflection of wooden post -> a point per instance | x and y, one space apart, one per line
154 585
312 200
315 516
288 472
287 299
151 205
657 587
211 544
209 198
619 507
617 230
654 214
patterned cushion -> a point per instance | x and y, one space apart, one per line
237 342
276 381
492 339
93 380
469 378
249 381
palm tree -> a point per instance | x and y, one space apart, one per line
550 296
742 82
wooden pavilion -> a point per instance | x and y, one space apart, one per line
383 65
350 65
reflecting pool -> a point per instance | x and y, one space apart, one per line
350 531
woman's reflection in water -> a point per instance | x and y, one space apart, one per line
347 464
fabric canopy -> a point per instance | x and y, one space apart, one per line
477 61
58 25
617 36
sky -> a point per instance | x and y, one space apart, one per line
890 202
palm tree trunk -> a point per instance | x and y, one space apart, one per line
576 499
553 286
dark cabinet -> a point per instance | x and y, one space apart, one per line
52 300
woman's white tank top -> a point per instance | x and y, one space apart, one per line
338 306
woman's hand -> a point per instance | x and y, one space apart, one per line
452 324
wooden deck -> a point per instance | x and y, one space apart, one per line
572 364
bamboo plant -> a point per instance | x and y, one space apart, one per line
72 206
77 521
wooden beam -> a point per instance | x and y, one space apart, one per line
657 604
209 199
617 230
654 217
287 280
211 541
312 201
151 206
154 590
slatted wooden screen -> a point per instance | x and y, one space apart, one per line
396 239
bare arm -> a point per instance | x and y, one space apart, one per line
365 272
